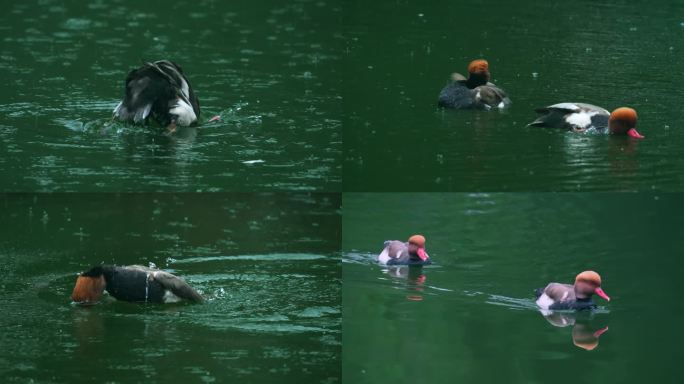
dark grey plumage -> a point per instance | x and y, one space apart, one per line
460 94
161 92
142 284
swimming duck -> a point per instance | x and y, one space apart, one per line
132 283
159 91
583 117
557 296
411 252
474 92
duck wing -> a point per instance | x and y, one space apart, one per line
176 285
173 73
394 250
570 116
560 292
146 92
491 96
152 90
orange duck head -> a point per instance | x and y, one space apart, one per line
622 121
478 70
89 287
587 283
416 244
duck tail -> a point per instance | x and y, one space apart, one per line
549 118
540 122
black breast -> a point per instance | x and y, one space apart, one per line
456 95
600 121
577 305
131 284
409 261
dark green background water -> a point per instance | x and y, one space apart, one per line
267 263
304 88
621 53
471 317
269 68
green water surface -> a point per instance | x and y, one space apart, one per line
267 265
268 68
471 317
621 53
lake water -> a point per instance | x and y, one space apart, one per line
267 265
471 317
268 69
316 98
611 54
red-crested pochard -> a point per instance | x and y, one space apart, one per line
588 118
411 252
557 296
161 92
132 283
475 92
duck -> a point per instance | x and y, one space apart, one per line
411 252
161 92
578 296
582 117
134 283
474 92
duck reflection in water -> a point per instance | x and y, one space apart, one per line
414 277
584 334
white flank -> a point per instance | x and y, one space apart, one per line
170 297
384 256
183 110
580 119
544 301
116 110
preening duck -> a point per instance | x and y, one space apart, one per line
132 283
475 92
581 117
161 92
557 296
411 252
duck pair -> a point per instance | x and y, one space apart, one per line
477 92
555 296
